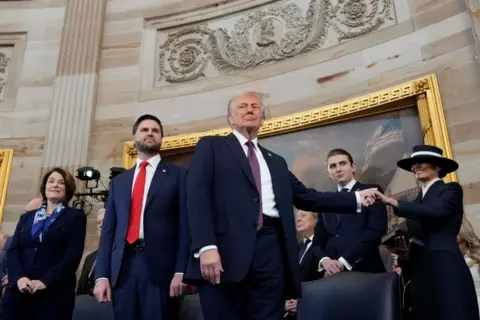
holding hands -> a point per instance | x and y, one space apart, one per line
332 267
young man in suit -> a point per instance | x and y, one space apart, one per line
240 199
144 242
349 242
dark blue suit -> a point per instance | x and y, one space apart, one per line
165 236
356 238
52 261
223 205
441 286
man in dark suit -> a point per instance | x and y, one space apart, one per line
305 222
86 282
240 199
350 242
144 244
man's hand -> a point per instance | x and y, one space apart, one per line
331 267
102 291
5 280
211 266
37 285
177 287
24 285
368 196
291 306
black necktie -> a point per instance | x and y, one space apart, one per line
303 248
337 216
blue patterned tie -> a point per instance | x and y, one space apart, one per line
303 248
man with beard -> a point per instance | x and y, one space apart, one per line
144 244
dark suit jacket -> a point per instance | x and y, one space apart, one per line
309 266
435 219
356 238
53 261
165 225
3 258
86 282
223 205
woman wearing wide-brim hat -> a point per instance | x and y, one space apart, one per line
442 287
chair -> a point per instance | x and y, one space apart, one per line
352 295
87 307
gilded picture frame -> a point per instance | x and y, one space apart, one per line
6 158
423 92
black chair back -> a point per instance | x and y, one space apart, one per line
348 295
88 308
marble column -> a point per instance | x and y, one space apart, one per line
473 6
75 87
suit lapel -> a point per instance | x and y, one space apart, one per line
340 217
158 178
59 222
433 191
271 167
239 154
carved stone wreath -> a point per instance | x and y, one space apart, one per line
354 18
3 70
271 34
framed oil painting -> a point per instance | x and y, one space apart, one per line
6 158
378 129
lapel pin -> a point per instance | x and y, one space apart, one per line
269 154
164 170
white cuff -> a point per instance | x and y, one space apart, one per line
359 202
181 273
345 263
100 279
320 267
197 254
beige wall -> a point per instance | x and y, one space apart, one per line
421 37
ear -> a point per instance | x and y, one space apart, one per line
230 119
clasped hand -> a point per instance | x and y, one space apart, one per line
25 285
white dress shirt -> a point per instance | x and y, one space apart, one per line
426 186
308 246
150 171
347 265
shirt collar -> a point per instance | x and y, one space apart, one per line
241 138
309 238
426 186
153 161
349 185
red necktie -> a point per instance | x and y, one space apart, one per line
137 203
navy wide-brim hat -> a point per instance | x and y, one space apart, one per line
429 154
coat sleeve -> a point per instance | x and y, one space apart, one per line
315 201
104 255
319 240
199 195
14 261
69 262
184 234
449 202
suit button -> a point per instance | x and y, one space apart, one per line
35 249
256 199
337 235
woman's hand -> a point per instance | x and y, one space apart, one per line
37 285
387 200
25 285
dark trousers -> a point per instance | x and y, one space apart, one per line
135 296
260 296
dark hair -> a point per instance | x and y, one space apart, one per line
340 152
70 185
146 117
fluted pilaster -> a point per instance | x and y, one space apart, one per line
75 88
473 7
